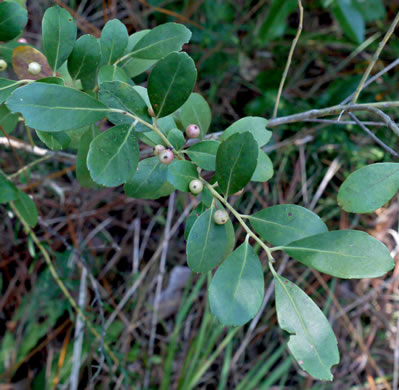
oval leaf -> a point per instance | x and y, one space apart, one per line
206 243
312 341
264 168
203 154
348 254
8 191
254 124
180 173
59 35
8 121
13 19
285 223
113 73
369 188
236 161
161 41
237 288
26 208
350 19
113 156
50 107
149 182
7 87
176 138
171 82
22 56
114 37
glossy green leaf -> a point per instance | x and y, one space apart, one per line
192 218
26 208
117 94
369 188
82 171
7 87
113 73
237 288
196 111
275 22
206 243
236 161
58 34
348 254
180 173
54 141
84 60
149 182
264 168
46 106
113 156
171 82
176 138
312 341
254 124
350 19
13 19
285 223
8 191
131 65
114 38
8 121
203 154
161 41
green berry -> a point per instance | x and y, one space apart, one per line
34 68
158 149
193 131
3 65
220 217
166 156
196 186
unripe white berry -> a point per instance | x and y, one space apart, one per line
3 65
34 68
196 186
151 112
166 156
193 131
158 149
220 217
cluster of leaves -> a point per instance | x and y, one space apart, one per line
84 81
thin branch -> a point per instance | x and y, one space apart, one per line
373 136
289 59
375 58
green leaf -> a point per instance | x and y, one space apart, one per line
192 218
13 19
8 191
59 35
7 87
161 41
275 22
131 65
369 188
171 82
206 243
180 173
203 154
264 168
350 19
50 107
82 171
196 111
371 10
8 121
113 73
84 60
54 141
285 223
149 182
26 208
236 161
312 341
254 124
237 288
348 254
176 138
113 156
117 94
114 38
